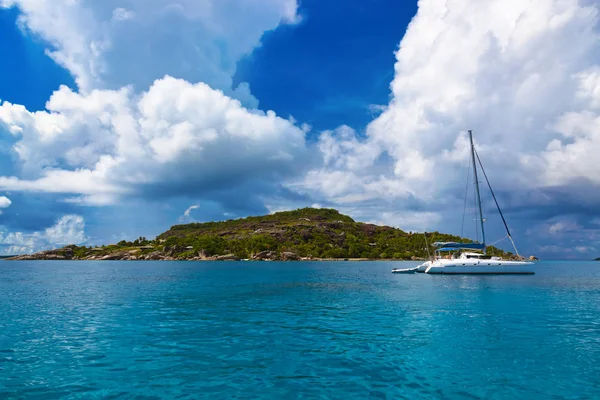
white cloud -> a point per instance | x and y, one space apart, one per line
69 229
563 226
20 240
560 227
186 214
555 228
377 108
278 208
568 252
175 138
105 45
5 202
189 210
122 14
523 75
155 113
410 220
585 249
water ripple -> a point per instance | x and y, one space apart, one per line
295 330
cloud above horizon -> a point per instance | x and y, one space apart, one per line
156 120
525 76
110 44
175 138
186 217
5 202
69 229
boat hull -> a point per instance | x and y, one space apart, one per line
460 267
423 267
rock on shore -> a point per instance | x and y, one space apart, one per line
167 253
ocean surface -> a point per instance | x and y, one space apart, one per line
246 330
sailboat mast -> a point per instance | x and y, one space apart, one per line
477 189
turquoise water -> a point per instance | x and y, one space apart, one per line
295 330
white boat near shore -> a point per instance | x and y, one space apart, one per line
475 263
471 258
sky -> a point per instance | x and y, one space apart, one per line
121 118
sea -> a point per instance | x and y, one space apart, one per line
310 330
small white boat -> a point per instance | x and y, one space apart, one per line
404 270
471 258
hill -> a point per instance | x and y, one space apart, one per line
306 233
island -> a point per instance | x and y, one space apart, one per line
303 234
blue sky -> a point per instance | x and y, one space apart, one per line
191 111
316 59
30 75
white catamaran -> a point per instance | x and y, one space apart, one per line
471 258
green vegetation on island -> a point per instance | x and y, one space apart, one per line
307 233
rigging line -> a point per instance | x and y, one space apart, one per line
498 241
497 205
427 246
475 213
462 225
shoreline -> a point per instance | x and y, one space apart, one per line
30 258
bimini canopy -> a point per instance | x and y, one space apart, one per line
447 246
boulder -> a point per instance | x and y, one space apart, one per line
228 257
369 229
202 255
289 256
119 255
172 250
263 255
25 257
306 235
155 255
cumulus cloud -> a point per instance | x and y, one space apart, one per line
566 236
154 114
110 44
176 138
69 229
410 220
4 202
126 131
523 75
